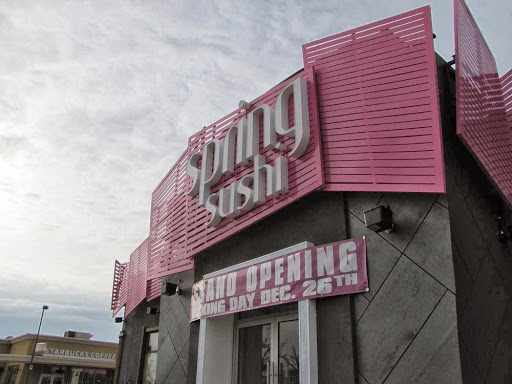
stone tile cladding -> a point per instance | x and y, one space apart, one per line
174 333
406 326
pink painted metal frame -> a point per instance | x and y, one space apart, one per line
379 106
168 229
119 287
137 276
482 122
506 86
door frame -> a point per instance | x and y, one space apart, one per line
218 333
274 321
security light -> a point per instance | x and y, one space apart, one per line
505 233
169 289
379 219
152 311
244 104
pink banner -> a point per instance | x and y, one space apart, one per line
326 270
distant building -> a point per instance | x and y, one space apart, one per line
72 359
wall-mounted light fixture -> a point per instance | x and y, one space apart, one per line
379 219
505 233
152 311
244 104
118 319
169 289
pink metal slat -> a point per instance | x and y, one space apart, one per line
137 277
372 103
483 102
119 287
506 86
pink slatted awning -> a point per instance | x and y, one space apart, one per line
119 287
154 288
137 277
482 122
506 86
379 108
168 229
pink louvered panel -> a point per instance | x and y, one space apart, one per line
168 229
506 86
154 288
116 284
123 295
137 277
119 287
482 122
378 105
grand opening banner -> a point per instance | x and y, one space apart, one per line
326 270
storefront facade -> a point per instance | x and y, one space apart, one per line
262 266
65 360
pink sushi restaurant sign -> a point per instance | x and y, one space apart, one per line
326 270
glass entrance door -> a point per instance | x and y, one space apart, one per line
268 351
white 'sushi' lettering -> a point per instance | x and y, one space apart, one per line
241 146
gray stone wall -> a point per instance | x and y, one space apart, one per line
483 265
406 325
403 330
173 339
134 328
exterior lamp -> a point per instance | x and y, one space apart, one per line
170 289
505 233
152 311
379 219
244 104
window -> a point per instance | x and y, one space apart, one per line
12 373
151 351
268 351
93 376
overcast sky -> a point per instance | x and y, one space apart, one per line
97 99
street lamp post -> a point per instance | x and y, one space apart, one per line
30 367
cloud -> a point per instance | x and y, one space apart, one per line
10 145
97 100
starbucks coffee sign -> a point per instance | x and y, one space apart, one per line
78 353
